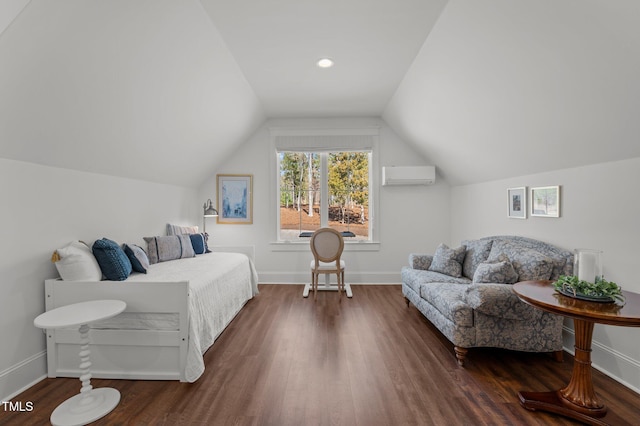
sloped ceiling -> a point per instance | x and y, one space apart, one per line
507 88
144 89
166 90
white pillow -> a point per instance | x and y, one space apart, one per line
77 263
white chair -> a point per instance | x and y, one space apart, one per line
327 245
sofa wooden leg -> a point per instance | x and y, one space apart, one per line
558 356
406 300
461 354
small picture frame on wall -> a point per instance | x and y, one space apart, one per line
517 198
235 199
545 201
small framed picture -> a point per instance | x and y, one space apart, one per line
545 201
517 202
235 199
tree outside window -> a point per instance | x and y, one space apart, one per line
346 206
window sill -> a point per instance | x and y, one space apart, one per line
304 246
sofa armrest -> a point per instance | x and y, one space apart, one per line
420 261
499 300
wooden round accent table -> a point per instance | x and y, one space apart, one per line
578 399
91 404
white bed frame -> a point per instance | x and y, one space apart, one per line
122 354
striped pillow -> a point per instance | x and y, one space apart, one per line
179 230
171 247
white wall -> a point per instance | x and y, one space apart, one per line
426 208
599 210
42 209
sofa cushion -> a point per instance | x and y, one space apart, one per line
448 261
113 261
477 252
499 300
449 300
420 261
562 259
529 264
500 271
414 278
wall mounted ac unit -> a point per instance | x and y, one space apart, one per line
409 175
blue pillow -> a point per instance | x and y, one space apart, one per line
113 261
137 257
198 243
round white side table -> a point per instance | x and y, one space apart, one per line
90 404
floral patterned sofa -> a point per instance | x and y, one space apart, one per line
466 293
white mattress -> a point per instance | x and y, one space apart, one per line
219 286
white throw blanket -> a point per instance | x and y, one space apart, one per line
219 286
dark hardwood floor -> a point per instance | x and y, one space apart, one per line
370 360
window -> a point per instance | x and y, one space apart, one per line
324 177
318 189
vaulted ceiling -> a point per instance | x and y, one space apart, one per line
277 45
166 90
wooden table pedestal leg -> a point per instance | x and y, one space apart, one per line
579 393
578 399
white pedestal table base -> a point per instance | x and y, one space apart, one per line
308 288
90 404
73 412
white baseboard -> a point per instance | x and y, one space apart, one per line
608 361
18 378
274 277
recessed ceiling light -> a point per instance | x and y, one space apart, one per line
325 63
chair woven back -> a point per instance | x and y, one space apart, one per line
327 245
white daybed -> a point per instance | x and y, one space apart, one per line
174 314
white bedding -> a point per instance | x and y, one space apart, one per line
140 321
219 286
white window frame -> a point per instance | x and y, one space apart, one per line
325 141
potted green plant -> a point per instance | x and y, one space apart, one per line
599 291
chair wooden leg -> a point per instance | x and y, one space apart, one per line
339 286
315 286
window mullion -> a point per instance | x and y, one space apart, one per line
324 190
